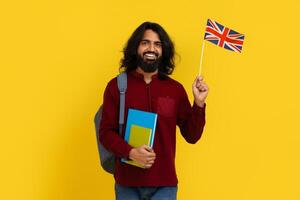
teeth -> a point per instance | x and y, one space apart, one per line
150 55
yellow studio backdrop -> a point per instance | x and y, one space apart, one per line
57 56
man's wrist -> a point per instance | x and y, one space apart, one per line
131 152
201 104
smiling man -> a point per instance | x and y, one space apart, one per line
148 61
149 52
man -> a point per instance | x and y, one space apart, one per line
148 60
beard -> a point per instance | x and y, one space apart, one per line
148 65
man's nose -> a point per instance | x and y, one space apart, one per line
151 47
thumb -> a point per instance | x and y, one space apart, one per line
195 81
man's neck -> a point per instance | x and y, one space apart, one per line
147 75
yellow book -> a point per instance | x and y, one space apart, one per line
140 130
138 136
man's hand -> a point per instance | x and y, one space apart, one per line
143 155
200 91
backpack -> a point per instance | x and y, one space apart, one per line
107 159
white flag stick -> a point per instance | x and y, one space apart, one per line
201 58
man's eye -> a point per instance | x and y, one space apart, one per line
158 44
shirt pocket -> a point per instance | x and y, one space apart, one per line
166 106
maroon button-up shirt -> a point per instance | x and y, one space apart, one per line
169 100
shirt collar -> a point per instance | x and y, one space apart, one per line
141 76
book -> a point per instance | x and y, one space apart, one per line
140 130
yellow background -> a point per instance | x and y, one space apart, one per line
57 56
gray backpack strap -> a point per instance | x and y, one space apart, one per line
122 85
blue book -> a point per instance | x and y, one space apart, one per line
140 130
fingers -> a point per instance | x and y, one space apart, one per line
195 81
149 163
147 148
147 166
198 80
203 87
149 153
200 84
150 156
144 155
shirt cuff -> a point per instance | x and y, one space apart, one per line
198 108
128 149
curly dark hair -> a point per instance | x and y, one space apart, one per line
129 61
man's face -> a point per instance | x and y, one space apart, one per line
149 51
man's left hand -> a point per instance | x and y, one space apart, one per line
200 91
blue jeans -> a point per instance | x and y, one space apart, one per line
145 193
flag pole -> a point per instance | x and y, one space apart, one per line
201 58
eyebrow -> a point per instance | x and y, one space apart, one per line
146 40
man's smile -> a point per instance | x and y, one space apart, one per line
151 56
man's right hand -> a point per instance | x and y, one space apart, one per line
143 155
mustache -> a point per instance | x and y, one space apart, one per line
156 54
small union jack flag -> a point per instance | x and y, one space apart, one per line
223 36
